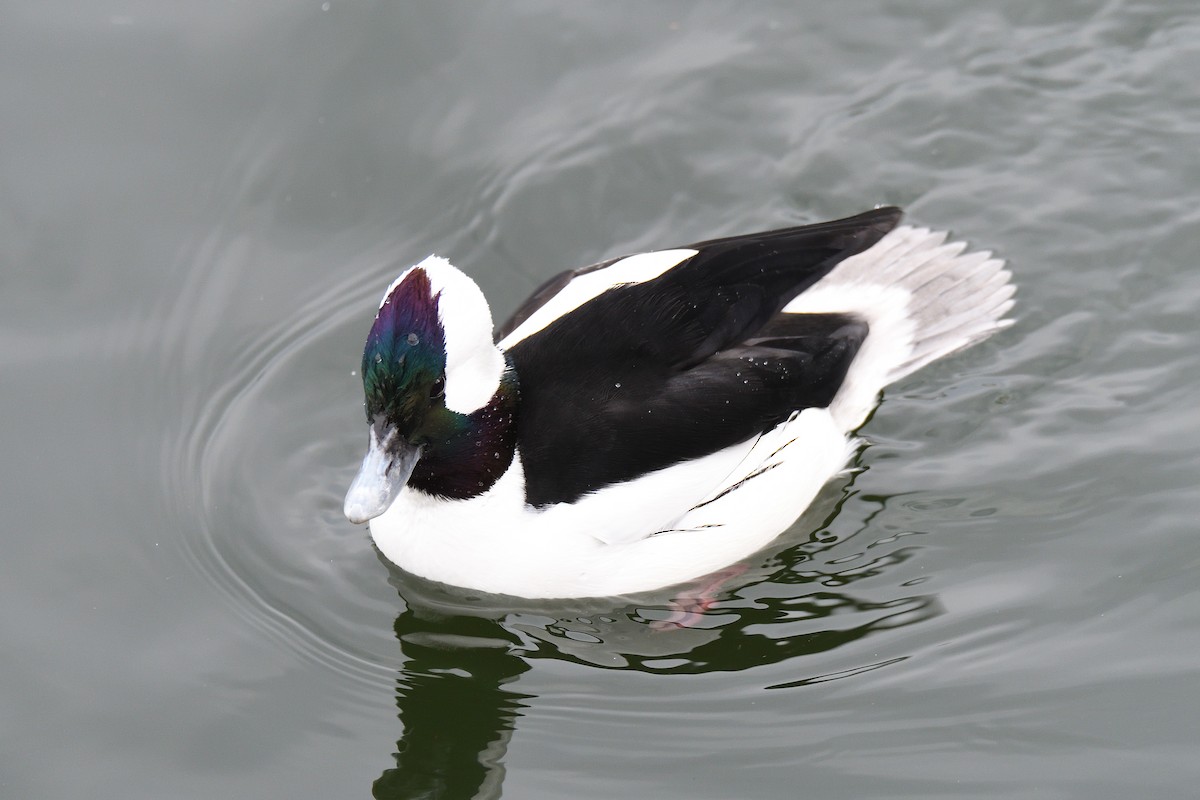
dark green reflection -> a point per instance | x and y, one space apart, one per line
463 649
456 714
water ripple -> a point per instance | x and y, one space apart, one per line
257 476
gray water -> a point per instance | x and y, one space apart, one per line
200 204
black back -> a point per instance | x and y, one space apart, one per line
647 375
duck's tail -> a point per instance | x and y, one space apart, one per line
922 298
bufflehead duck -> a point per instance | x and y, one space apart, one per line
652 418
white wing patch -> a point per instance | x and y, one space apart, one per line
634 269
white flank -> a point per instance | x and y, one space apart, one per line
634 269
776 480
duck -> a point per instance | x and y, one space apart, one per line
653 418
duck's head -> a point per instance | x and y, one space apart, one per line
429 362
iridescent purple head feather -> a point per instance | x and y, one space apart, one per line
405 350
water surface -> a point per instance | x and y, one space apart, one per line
199 206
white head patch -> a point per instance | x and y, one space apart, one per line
473 364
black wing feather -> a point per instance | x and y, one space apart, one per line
648 375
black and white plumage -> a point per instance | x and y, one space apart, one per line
652 418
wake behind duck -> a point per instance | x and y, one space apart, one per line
649 419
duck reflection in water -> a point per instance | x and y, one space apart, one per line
457 696
456 710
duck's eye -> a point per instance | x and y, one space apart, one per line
438 390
